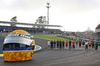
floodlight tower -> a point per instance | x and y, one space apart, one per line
48 6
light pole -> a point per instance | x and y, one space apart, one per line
48 6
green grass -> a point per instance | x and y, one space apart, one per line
2 35
51 37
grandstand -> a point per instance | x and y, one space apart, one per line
32 30
97 30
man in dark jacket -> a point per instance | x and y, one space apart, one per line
51 44
60 44
80 44
69 44
57 44
96 45
63 43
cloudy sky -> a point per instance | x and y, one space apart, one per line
73 15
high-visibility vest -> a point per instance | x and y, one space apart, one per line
89 42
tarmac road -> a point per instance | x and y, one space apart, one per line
58 57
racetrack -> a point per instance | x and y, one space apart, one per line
58 57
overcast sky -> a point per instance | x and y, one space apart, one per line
73 15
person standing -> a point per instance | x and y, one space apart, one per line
63 43
57 44
96 45
69 44
92 44
83 43
80 44
60 44
66 43
51 44
86 45
48 44
89 44
73 44
76 44
54 44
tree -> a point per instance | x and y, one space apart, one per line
41 20
13 20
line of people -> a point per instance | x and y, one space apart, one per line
72 44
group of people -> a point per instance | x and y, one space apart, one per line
72 44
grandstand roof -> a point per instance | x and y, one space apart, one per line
98 27
18 23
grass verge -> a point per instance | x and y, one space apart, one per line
51 37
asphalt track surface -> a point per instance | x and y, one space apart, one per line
58 57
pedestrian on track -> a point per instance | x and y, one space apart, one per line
96 45
92 44
80 43
63 43
51 44
73 42
58 43
69 44
83 43
54 44
76 44
86 45
66 43
48 44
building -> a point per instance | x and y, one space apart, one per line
97 30
88 31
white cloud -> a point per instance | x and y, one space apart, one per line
72 14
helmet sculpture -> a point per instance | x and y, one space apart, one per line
18 46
